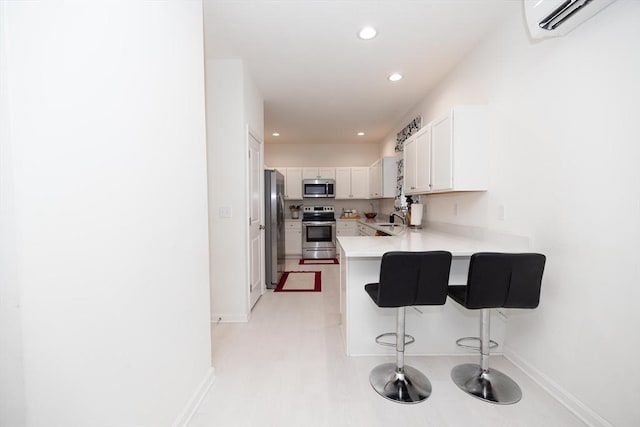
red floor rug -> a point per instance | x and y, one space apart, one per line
299 281
318 261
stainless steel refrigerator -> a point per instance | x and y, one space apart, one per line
274 226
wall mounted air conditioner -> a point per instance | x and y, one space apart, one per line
554 18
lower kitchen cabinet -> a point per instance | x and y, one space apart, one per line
365 230
293 238
346 227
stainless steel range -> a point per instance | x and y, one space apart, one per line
318 232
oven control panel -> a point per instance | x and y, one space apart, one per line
317 209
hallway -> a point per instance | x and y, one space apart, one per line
287 368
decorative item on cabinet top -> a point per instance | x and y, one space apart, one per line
406 132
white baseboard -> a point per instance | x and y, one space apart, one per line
579 409
194 403
229 318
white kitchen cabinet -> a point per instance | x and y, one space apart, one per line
365 230
382 178
410 160
449 153
417 162
318 173
292 183
346 227
352 183
459 150
375 180
343 183
293 238
360 183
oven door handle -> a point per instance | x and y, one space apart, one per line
318 222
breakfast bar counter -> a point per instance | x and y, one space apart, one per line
435 328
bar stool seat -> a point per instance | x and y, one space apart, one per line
407 279
495 280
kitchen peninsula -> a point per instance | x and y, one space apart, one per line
435 328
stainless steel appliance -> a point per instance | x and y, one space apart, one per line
318 232
274 226
314 188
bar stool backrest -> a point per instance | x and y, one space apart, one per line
504 280
413 278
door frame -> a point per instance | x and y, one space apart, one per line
249 133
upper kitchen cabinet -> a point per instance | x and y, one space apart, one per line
449 154
382 178
459 150
292 182
352 183
375 179
417 162
318 173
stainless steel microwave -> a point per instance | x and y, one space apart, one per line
313 188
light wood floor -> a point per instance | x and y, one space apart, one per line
287 368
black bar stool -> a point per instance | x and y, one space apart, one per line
407 279
495 280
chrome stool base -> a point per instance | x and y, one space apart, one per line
407 386
491 386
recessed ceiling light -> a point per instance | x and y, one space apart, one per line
360 133
367 33
275 134
395 77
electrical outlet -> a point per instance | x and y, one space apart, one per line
455 209
500 213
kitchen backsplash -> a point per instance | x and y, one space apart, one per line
360 205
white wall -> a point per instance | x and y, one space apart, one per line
321 154
565 152
12 398
107 179
233 102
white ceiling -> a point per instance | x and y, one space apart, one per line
320 82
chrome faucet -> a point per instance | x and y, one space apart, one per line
392 214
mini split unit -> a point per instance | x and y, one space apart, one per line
554 18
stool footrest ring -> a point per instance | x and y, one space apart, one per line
461 342
408 339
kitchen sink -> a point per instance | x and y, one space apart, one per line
390 228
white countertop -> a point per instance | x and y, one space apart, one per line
420 240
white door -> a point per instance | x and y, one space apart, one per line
256 260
